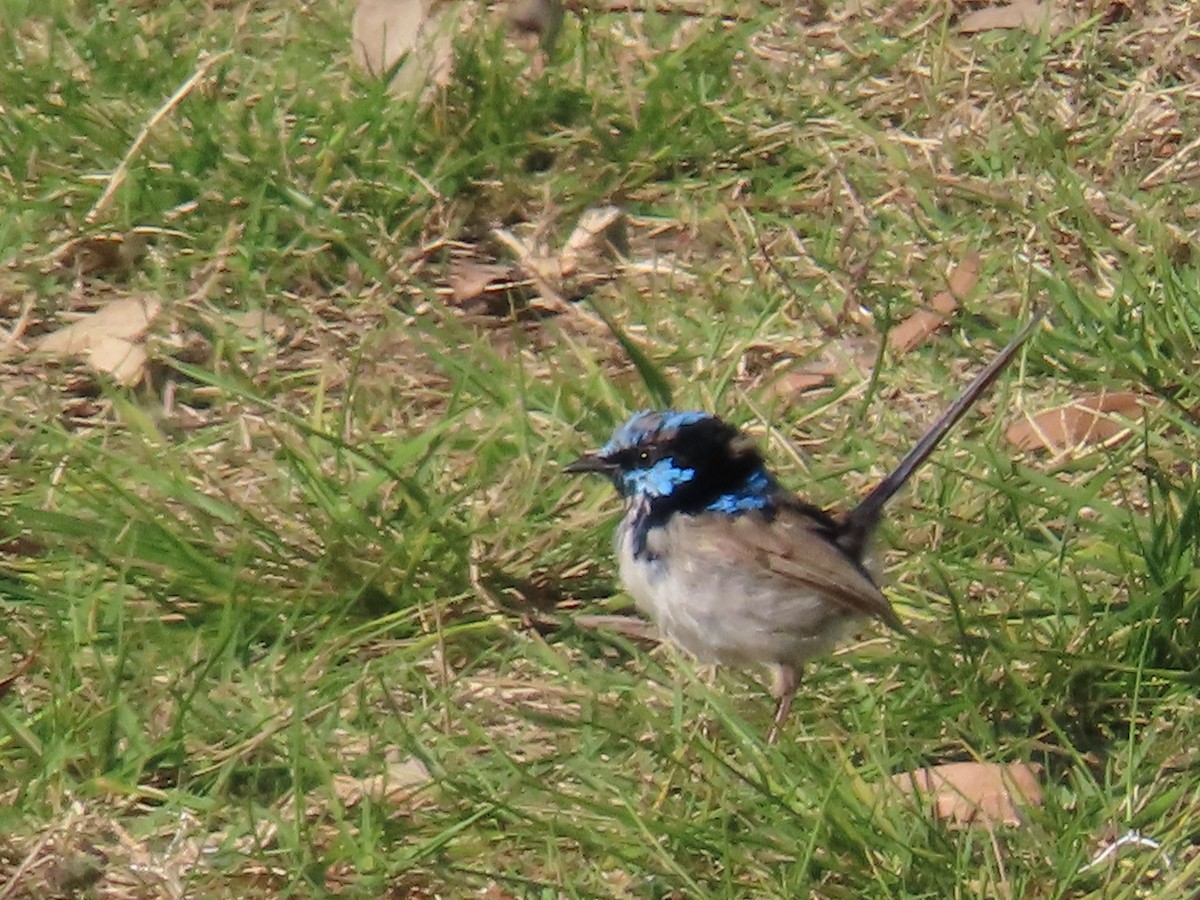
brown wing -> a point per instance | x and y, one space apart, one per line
797 547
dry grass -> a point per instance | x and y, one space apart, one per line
294 615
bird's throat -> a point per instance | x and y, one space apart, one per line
744 485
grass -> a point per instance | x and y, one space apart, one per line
297 560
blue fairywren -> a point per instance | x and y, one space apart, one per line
732 567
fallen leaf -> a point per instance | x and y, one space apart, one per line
1027 14
494 892
470 280
19 669
540 19
659 267
963 278
410 39
258 324
917 328
546 274
127 318
101 254
601 231
1097 419
800 381
975 793
394 787
109 338
123 360
21 545
627 626
851 355
531 255
1118 11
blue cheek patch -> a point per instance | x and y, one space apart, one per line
657 481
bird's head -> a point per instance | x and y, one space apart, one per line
691 460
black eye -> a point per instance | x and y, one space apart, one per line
638 457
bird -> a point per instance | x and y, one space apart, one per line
731 566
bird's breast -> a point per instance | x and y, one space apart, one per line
720 608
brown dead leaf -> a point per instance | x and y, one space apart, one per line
965 276
101 254
20 545
19 669
531 254
1027 14
258 325
470 280
394 787
536 19
800 381
627 626
123 360
494 892
546 274
1097 419
601 232
412 37
127 318
854 356
109 338
975 793
917 328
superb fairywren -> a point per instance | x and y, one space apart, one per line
731 566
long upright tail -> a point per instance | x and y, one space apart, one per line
854 531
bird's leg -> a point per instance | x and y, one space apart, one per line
787 680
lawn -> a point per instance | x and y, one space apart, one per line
301 604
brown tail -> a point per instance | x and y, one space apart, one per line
854 531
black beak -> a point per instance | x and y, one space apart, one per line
590 462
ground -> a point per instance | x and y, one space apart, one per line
296 600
